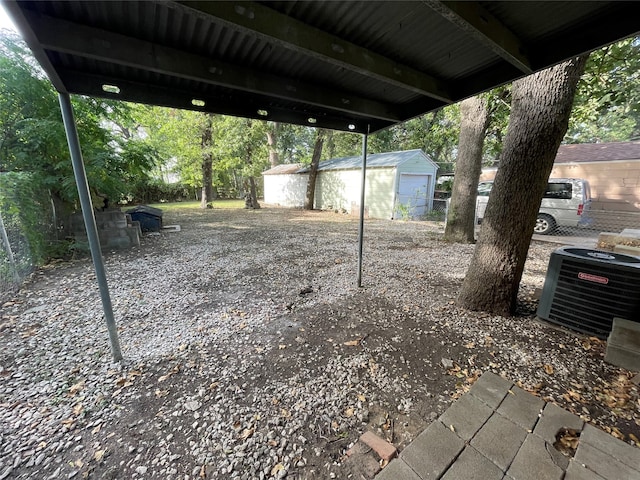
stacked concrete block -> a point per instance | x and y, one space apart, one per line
623 344
115 230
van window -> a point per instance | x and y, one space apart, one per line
484 189
558 190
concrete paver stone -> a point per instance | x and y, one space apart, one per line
604 464
534 461
521 407
499 440
577 472
466 416
397 470
433 451
472 465
488 435
491 388
553 419
610 445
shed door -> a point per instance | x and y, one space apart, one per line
413 195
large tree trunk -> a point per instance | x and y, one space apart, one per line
474 120
313 169
253 193
251 197
207 163
541 105
272 142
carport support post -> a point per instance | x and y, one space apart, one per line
89 220
361 226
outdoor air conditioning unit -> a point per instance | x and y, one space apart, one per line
585 289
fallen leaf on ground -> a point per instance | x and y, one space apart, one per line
99 455
548 368
352 343
75 388
173 371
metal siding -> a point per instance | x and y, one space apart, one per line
285 190
338 189
379 192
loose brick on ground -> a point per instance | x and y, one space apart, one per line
384 449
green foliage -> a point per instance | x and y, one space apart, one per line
27 217
155 190
404 210
33 147
607 104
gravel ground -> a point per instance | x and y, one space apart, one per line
250 353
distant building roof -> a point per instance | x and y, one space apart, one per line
377 160
598 152
283 169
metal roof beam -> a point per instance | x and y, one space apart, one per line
71 38
88 84
254 19
487 29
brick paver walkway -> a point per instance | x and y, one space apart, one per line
498 431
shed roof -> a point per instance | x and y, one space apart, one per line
598 152
377 160
355 66
283 169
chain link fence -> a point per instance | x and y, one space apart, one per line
587 222
27 228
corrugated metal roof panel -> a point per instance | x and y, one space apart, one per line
377 160
357 66
283 169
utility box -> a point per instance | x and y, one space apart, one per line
586 289
150 218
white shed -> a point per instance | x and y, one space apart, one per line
285 186
398 184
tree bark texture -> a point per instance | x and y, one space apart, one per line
541 106
313 169
474 120
252 200
253 193
207 163
272 143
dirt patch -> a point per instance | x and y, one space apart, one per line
250 353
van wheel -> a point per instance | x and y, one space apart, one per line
545 224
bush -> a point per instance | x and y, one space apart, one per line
156 191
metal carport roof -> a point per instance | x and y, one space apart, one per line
349 66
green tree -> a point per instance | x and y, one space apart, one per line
33 142
607 105
474 120
541 107
313 169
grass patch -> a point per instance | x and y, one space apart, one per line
177 206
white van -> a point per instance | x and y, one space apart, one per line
564 201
